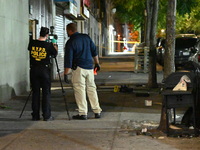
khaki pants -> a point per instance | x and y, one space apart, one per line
83 81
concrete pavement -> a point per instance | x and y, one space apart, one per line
122 113
102 134
112 132
125 77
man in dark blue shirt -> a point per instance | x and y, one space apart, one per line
80 55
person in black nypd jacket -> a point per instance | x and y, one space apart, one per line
81 56
40 74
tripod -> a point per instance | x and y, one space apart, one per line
63 93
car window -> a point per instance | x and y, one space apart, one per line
185 42
163 43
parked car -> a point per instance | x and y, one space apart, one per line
186 35
195 57
185 47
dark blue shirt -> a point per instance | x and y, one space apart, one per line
80 50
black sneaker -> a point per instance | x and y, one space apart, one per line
49 119
97 115
80 117
35 118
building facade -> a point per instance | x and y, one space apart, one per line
23 22
14 62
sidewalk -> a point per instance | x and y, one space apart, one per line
111 132
123 114
114 131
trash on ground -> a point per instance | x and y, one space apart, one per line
148 102
125 89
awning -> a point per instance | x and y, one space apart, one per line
73 1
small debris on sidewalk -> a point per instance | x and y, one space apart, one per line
125 89
148 102
139 125
161 138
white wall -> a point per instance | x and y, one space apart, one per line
94 29
14 59
42 11
95 33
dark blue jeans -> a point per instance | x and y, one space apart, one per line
41 78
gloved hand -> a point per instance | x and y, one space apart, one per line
97 67
66 79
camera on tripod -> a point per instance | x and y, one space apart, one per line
52 38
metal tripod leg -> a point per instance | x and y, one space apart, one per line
63 92
25 103
66 106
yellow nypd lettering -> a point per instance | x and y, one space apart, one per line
38 53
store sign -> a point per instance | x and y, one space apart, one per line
72 10
86 12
